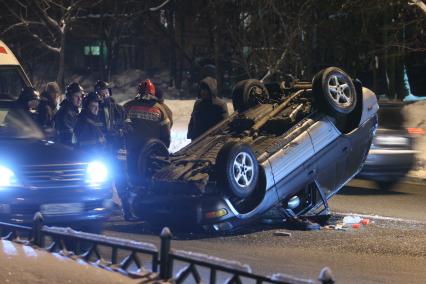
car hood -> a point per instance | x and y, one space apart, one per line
38 152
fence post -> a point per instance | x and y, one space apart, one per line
165 263
326 276
37 234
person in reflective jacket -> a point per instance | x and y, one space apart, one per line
208 110
111 114
87 131
148 117
67 115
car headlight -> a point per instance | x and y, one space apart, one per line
7 177
97 172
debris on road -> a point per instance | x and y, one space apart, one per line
282 234
351 220
356 226
365 221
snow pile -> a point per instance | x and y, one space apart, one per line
230 264
25 264
124 85
182 110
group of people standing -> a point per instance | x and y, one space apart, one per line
96 123
94 120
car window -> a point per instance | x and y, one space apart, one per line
11 82
16 124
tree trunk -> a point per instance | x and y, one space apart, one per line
219 47
172 39
61 68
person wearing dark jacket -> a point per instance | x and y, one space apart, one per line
87 130
208 110
67 115
29 100
111 114
48 106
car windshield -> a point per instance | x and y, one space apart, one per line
11 82
17 124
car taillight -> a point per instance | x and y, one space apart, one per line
415 131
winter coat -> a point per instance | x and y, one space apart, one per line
65 120
111 116
88 133
46 111
207 113
148 119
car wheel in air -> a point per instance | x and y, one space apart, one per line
151 159
334 92
249 93
237 169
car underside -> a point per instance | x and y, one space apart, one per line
269 153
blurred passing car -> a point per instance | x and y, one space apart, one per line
66 186
392 154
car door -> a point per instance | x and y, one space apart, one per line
328 166
288 164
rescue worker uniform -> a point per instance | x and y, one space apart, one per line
111 114
208 110
148 118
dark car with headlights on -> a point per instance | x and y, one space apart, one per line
289 144
68 187
392 154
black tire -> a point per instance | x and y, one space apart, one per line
237 170
147 164
249 93
334 92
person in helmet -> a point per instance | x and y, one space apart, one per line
208 110
67 115
111 114
48 105
29 100
88 128
148 116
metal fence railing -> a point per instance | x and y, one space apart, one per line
139 259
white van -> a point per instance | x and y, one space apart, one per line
12 75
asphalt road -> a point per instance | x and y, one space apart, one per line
391 249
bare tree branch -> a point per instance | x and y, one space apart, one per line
42 42
153 9
21 24
52 22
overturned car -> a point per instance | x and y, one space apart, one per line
288 144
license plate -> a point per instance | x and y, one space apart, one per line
61 208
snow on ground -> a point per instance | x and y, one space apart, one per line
25 264
181 115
